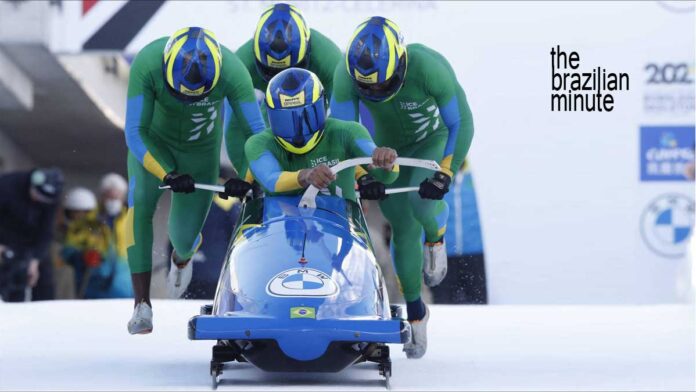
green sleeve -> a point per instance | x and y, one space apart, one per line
442 84
241 101
344 99
358 143
324 57
139 109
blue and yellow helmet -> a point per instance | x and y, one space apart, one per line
296 109
192 63
281 40
376 59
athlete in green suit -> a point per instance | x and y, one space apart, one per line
173 132
417 107
301 143
281 40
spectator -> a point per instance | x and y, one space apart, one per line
465 282
27 207
89 247
112 211
86 239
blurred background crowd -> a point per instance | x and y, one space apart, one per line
62 244
59 242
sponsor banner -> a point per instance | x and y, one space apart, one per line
665 152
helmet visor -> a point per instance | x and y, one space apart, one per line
297 126
379 92
187 98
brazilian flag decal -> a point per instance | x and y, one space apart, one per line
302 312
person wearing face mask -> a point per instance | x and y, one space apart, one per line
113 190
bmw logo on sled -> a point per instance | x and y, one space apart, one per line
300 290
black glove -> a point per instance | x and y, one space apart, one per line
436 187
180 182
235 187
371 189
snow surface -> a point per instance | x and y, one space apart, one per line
78 345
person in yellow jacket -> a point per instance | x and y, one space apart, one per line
113 191
86 241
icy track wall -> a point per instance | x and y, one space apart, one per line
576 207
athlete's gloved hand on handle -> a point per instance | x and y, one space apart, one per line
383 157
371 189
234 187
435 187
320 176
309 197
182 183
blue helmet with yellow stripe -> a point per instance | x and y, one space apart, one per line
281 40
296 109
192 63
376 59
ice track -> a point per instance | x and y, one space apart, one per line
83 345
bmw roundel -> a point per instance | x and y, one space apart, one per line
667 223
302 282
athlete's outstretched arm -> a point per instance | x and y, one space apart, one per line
443 85
267 170
358 141
141 99
241 101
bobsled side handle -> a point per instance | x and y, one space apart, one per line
204 187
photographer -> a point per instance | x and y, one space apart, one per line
27 207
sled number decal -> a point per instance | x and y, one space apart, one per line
302 282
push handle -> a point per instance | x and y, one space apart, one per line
309 197
205 187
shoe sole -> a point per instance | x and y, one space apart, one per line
428 281
143 332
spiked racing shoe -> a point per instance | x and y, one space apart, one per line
418 345
179 276
141 322
434 262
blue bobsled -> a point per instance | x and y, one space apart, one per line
301 290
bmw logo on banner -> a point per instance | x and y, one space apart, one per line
667 223
302 282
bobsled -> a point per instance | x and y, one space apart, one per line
300 289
